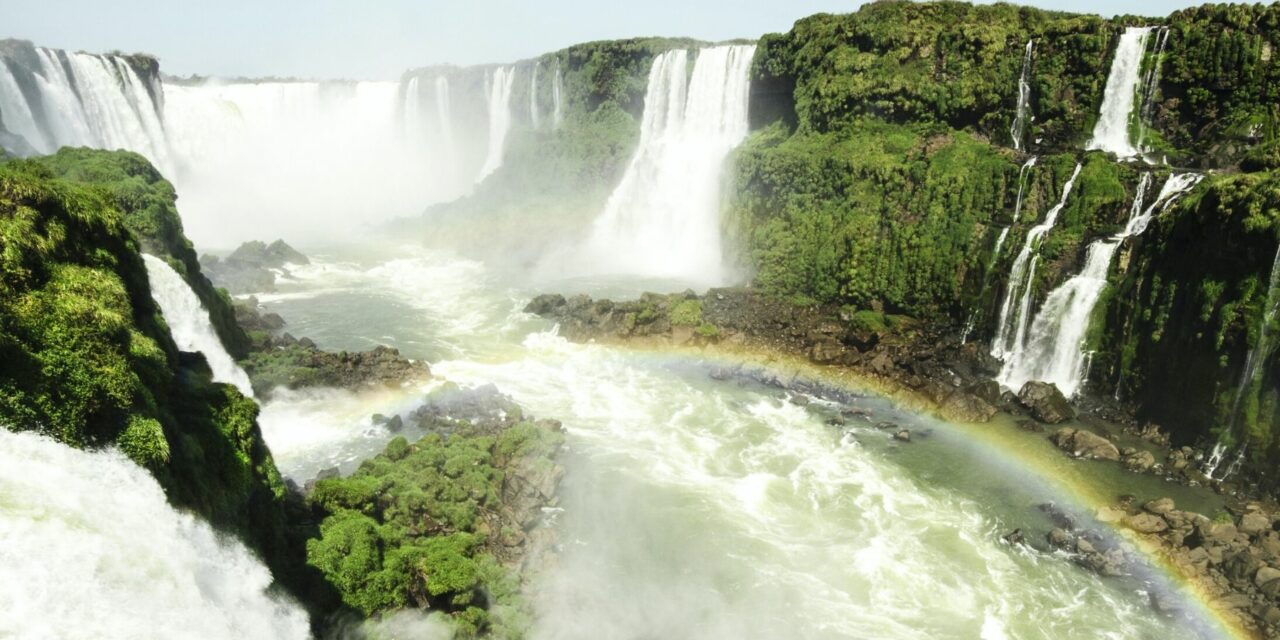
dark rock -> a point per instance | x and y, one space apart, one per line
1045 402
903 435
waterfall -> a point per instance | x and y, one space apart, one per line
1150 84
92 548
663 219
1024 100
499 97
189 323
1261 348
1111 133
557 113
82 99
533 97
1023 174
1055 347
1011 327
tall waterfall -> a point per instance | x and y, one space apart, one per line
81 99
189 323
1021 118
1150 84
534 118
1111 133
91 548
557 113
1262 347
1024 174
499 95
1055 347
1011 327
663 219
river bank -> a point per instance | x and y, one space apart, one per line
1230 555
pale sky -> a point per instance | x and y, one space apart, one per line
377 39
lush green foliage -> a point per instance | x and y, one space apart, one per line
416 525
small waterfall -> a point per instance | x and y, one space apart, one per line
498 92
1024 100
1262 347
1111 133
1215 459
557 113
1011 327
534 117
84 100
1023 174
1054 349
92 548
663 219
1150 84
189 323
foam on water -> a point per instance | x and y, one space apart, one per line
91 549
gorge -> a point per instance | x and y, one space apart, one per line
807 323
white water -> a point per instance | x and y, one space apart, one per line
1150 84
534 117
85 100
189 323
694 508
557 113
1024 100
663 219
498 90
1011 326
1023 175
1111 133
1262 348
302 160
91 549
1055 348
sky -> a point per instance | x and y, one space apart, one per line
378 39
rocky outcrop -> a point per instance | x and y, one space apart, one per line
252 267
1045 402
1085 444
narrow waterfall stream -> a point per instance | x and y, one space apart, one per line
1111 133
189 322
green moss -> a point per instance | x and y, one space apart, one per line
686 313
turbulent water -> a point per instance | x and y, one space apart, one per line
663 219
703 508
1111 133
189 323
1016 308
1055 350
91 549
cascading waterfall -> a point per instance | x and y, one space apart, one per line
189 323
1011 327
663 219
557 113
1262 347
1055 349
534 118
1024 100
1111 133
91 548
1023 173
1150 84
499 95
83 99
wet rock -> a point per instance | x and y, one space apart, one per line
1061 539
1139 461
826 352
961 406
1030 425
545 304
1146 523
1159 506
1085 444
1045 402
1015 537
903 435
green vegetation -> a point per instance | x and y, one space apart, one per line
424 524
86 358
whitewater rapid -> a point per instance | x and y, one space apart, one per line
706 508
90 548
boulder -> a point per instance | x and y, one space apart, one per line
1146 523
1085 444
962 406
1254 523
1160 506
1266 574
1045 402
903 435
1139 461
